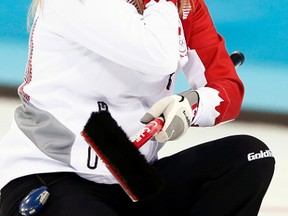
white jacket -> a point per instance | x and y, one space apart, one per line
87 56
82 55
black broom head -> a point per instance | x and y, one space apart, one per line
136 176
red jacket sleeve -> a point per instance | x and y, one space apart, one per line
210 69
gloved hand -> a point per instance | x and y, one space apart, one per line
145 2
178 112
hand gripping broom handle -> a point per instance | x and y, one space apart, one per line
150 129
153 127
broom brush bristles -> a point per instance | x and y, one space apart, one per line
136 176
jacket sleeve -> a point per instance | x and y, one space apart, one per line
114 29
210 70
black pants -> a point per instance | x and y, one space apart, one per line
225 177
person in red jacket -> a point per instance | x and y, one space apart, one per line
214 178
111 55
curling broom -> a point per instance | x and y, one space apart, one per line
122 157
